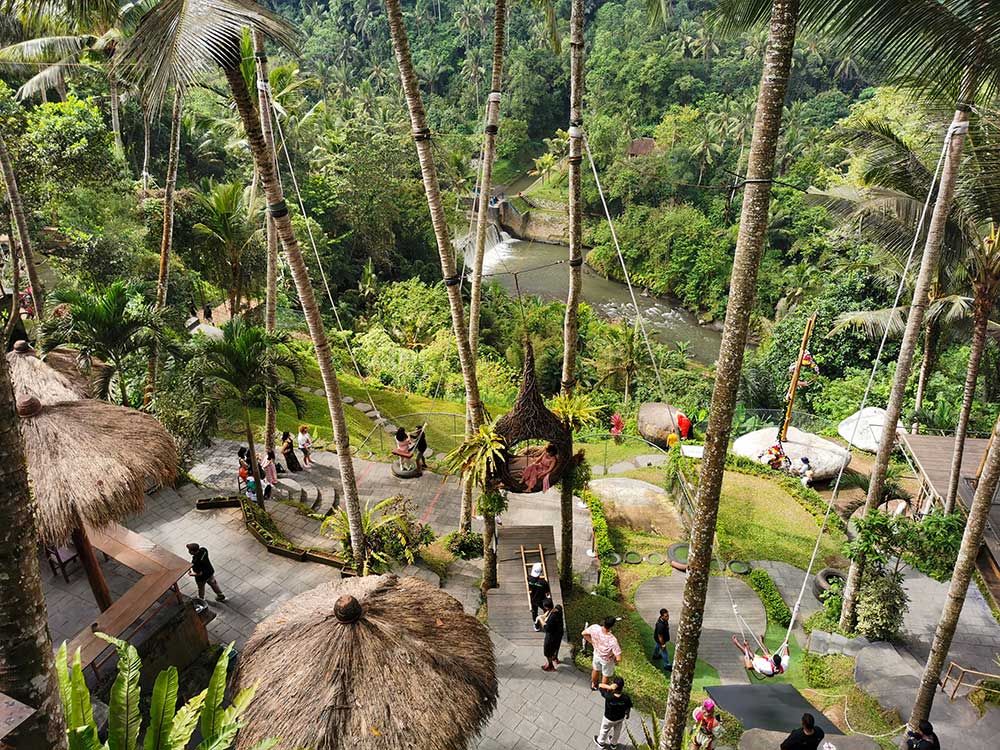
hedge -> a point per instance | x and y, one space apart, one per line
775 607
607 584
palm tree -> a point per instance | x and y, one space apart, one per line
571 323
248 365
746 263
965 566
112 324
619 359
421 137
28 673
544 165
21 223
174 43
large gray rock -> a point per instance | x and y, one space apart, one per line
863 429
656 421
826 457
761 739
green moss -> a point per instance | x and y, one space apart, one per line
775 607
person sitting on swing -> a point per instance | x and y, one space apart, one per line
540 469
764 664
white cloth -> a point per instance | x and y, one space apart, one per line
606 668
304 440
763 666
611 731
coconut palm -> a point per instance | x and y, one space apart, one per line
620 357
248 365
28 674
112 324
20 222
175 43
965 566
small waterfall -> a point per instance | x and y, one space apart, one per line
496 249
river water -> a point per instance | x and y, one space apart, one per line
665 321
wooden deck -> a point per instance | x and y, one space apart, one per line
509 608
160 569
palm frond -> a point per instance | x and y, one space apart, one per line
872 322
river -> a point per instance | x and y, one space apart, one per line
667 322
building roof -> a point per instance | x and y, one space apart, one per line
933 453
643 146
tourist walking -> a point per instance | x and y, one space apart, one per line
554 630
617 707
305 445
203 572
807 737
607 651
538 587
661 635
288 451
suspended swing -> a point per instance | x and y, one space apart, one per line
530 420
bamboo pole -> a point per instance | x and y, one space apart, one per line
795 377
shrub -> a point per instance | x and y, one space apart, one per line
775 607
607 585
882 603
465 544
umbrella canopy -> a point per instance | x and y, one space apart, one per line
34 378
66 362
90 462
369 663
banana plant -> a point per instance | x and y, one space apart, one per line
167 727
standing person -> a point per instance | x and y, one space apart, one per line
538 587
923 739
288 451
607 651
305 445
807 737
420 448
617 707
661 634
707 726
554 630
203 572
270 469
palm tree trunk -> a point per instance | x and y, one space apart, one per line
252 454
489 552
983 304
21 222
27 666
571 323
959 586
421 137
278 209
485 188
904 363
746 263
271 293
167 236
116 126
146 126
932 335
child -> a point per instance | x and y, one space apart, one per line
707 727
305 445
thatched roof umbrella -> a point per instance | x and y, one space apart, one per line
67 363
89 463
374 663
33 377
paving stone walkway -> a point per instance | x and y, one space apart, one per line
788 579
715 645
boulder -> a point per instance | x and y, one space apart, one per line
864 428
656 421
826 457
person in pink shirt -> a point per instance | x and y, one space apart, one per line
607 652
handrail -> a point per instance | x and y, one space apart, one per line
963 673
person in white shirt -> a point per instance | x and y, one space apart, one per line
305 445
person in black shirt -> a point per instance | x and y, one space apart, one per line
554 631
203 572
661 635
807 737
924 738
538 587
617 706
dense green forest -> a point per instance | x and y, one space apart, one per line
680 81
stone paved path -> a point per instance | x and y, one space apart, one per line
715 646
788 579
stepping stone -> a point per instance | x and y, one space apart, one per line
348 400
651 459
319 391
363 407
389 429
621 467
429 455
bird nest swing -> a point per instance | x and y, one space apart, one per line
529 420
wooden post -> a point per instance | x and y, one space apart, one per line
795 377
93 568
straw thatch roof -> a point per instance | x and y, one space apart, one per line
66 362
91 461
34 378
399 665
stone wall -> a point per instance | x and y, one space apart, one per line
542 226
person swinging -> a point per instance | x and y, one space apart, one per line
763 663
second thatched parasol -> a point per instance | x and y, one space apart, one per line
89 463
370 663
34 378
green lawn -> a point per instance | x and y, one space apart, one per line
554 188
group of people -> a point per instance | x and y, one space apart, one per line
412 446
546 616
268 469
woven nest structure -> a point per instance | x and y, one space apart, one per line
530 419
33 378
373 663
90 462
